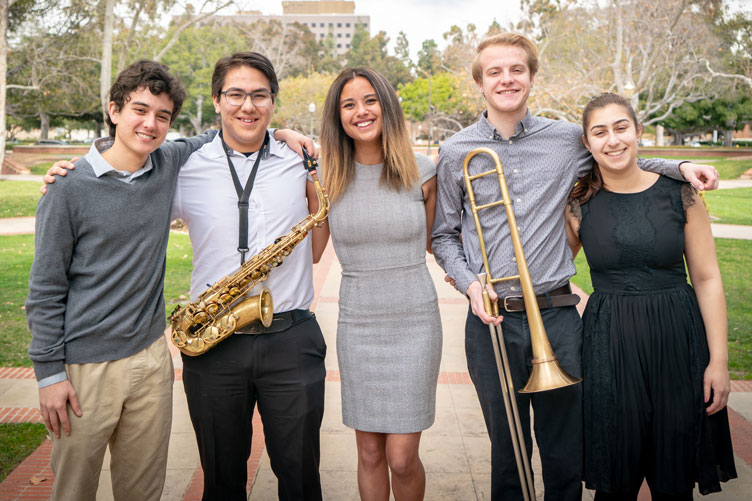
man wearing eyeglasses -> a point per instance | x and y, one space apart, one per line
279 368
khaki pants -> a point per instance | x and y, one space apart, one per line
127 404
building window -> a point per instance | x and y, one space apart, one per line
339 25
348 46
339 45
347 25
321 35
339 35
347 35
331 25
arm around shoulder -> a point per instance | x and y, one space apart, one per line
180 149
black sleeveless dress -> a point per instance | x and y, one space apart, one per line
645 350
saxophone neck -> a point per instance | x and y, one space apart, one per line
323 198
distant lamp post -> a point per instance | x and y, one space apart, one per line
428 115
629 89
312 109
631 94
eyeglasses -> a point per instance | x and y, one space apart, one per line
259 98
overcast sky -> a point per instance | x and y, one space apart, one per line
430 19
421 19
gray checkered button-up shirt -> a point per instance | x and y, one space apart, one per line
542 161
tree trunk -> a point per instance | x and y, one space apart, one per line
678 138
4 6
105 78
98 128
198 121
659 139
728 135
44 125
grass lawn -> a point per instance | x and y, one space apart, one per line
17 254
41 168
735 260
17 441
18 198
728 168
732 206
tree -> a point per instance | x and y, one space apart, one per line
372 52
296 94
55 68
726 114
454 105
429 57
461 47
655 51
12 13
283 44
189 18
192 58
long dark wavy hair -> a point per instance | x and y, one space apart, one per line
400 169
592 182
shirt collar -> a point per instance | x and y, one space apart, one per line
102 166
214 148
522 127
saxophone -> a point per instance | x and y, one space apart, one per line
224 307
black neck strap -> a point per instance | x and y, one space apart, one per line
244 194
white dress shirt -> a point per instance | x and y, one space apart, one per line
206 200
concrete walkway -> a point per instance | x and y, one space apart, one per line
455 450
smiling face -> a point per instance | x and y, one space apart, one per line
506 80
244 126
611 135
360 112
142 123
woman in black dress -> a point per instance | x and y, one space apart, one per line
655 356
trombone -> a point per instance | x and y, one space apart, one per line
547 374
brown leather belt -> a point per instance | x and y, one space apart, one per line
556 298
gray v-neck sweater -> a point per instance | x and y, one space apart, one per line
95 288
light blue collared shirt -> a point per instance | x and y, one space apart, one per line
102 167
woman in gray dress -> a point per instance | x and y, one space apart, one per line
389 332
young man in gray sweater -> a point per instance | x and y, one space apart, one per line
96 308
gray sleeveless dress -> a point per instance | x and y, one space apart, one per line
389 332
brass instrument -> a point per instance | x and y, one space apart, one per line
547 374
224 308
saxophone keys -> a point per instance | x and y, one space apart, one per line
196 344
225 297
212 308
179 337
234 291
200 317
213 333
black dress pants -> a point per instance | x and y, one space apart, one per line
282 372
558 413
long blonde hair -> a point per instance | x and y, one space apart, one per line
400 169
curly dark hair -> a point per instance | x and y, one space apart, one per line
146 74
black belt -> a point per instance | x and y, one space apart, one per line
556 298
280 322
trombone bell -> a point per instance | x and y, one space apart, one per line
548 375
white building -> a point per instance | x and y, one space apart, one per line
321 17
